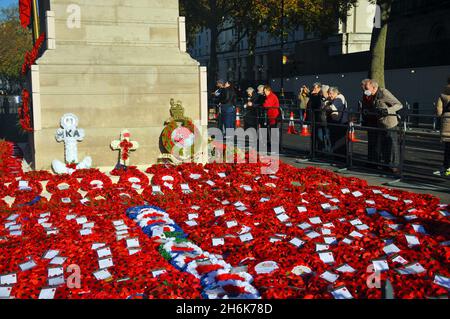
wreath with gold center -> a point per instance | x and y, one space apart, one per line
180 132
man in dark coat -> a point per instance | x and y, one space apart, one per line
251 109
370 119
314 107
228 107
386 106
259 102
337 116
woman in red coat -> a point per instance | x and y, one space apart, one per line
272 104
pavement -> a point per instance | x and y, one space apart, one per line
423 155
374 178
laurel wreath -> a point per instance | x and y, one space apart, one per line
169 144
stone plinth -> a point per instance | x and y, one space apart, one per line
117 71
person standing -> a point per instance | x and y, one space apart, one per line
324 131
272 107
251 109
370 120
386 106
216 97
443 111
337 118
260 100
303 100
4 102
228 107
315 109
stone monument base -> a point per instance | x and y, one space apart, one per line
118 70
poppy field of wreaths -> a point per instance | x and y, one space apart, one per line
216 231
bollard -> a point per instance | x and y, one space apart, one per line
238 118
291 128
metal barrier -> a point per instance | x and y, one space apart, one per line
411 115
9 104
417 151
9 128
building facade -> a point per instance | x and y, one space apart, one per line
353 35
417 55
417 58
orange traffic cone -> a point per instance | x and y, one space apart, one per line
291 129
305 128
238 118
352 135
305 131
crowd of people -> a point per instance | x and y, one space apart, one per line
257 103
326 109
261 109
331 117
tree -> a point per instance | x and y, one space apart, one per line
253 16
379 37
213 15
320 16
192 28
15 41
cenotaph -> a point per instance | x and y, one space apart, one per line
115 64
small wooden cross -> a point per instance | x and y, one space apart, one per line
124 146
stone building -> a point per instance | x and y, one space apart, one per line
417 57
116 65
351 36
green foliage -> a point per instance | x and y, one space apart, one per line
164 253
253 16
15 41
265 15
313 15
177 235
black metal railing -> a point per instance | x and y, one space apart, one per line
408 142
9 104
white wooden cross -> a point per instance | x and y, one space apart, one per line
70 134
124 146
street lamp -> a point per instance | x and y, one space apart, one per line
238 62
35 20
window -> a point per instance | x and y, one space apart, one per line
438 33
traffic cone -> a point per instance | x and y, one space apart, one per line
305 128
291 129
238 118
305 131
352 135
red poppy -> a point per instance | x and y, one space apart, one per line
219 207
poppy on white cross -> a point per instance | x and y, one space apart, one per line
124 146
